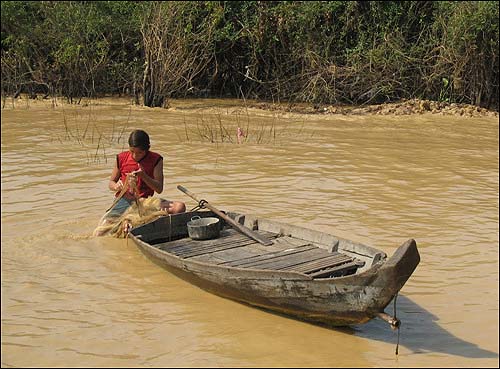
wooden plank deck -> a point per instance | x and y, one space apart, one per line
287 259
321 263
234 249
188 248
267 257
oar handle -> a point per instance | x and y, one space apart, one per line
187 192
253 235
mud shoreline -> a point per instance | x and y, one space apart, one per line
406 107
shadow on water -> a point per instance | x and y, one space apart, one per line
420 332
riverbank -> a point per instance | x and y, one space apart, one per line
406 107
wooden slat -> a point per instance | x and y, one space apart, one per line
286 242
191 246
245 262
337 269
242 253
217 249
278 264
293 255
269 258
286 259
224 256
226 235
280 245
319 258
296 260
230 238
314 265
195 250
248 258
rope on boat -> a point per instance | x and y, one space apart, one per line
169 227
201 205
399 325
394 322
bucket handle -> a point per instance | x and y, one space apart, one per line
196 217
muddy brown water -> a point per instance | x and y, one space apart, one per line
69 299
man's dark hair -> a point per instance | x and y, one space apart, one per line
140 139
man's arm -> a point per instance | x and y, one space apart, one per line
155 183
115 184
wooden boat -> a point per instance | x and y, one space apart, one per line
302 273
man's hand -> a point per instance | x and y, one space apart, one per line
138 173
132 179
119 186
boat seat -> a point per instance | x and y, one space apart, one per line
327 261
337 270
333 265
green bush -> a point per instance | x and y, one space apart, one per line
334 52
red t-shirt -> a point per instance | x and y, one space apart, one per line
127 164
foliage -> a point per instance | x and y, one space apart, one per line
316 51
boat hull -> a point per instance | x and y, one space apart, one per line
341 301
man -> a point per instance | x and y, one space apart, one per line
138 173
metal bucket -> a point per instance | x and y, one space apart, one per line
203 228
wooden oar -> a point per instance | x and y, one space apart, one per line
246 231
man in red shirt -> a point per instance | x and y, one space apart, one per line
141 172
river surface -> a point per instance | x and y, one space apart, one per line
72 300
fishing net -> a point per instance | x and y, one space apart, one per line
145 210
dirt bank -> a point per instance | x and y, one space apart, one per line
406 107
